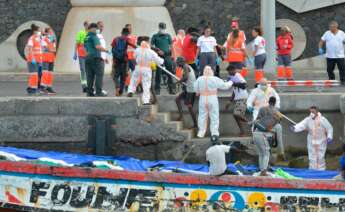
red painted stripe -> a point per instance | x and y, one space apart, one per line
238 181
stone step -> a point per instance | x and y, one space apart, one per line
163 117
176 125
189 134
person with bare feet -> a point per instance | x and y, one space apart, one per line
188 93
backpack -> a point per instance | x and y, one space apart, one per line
120 50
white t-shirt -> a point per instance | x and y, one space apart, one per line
260 43
334 44
239 93
206 44
103 44
216 156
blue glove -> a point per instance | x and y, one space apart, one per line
292 128
218 61
321 51
33 61
197 62
75 56
250 109
329 141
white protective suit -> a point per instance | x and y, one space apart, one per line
207 86
144 57
319 129
258 98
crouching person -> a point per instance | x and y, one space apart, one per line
144 57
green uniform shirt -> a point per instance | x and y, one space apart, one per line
163 42
81 36
90 44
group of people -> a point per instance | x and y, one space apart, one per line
192 61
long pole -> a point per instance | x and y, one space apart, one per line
268 23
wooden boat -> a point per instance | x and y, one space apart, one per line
31 187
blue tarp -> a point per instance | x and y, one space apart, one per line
133 164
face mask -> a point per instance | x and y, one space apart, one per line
312 115
98 31
263 87
162 31
38 33
51 38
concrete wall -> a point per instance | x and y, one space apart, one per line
294 105
65 124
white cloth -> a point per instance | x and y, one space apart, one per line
239 93
319 129
259 98
216 156
103 44
207 87
190 81
334 44
143 73
206 44
260 44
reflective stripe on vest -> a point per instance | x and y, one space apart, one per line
36 51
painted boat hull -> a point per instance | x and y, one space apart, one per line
31 187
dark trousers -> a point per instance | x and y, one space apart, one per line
95 71
331 62
168 63
119 74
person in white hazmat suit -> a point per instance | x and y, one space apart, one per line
259 97
144 57
320 133
206 87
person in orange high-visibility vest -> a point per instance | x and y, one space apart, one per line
235 46
34 58
49 51
132 40
284 46
178 44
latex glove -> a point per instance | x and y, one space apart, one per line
292 128
250 109
329 140
33 61
75 56
321 51
197 62
218 61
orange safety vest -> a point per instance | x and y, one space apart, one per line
36 52
177 47
81 50
130 49
179 72
49 52
235 50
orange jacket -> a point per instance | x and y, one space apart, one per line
177 47
49 50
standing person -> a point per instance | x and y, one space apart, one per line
49 46
80 54
334 40
320 133
120 61
189 48
132 44
207 51
284 46
162 42
104 55
34 58
94 63
259 97
259 53
178 44
239 97
207 87
188 93
144 57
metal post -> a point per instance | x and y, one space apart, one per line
268 23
